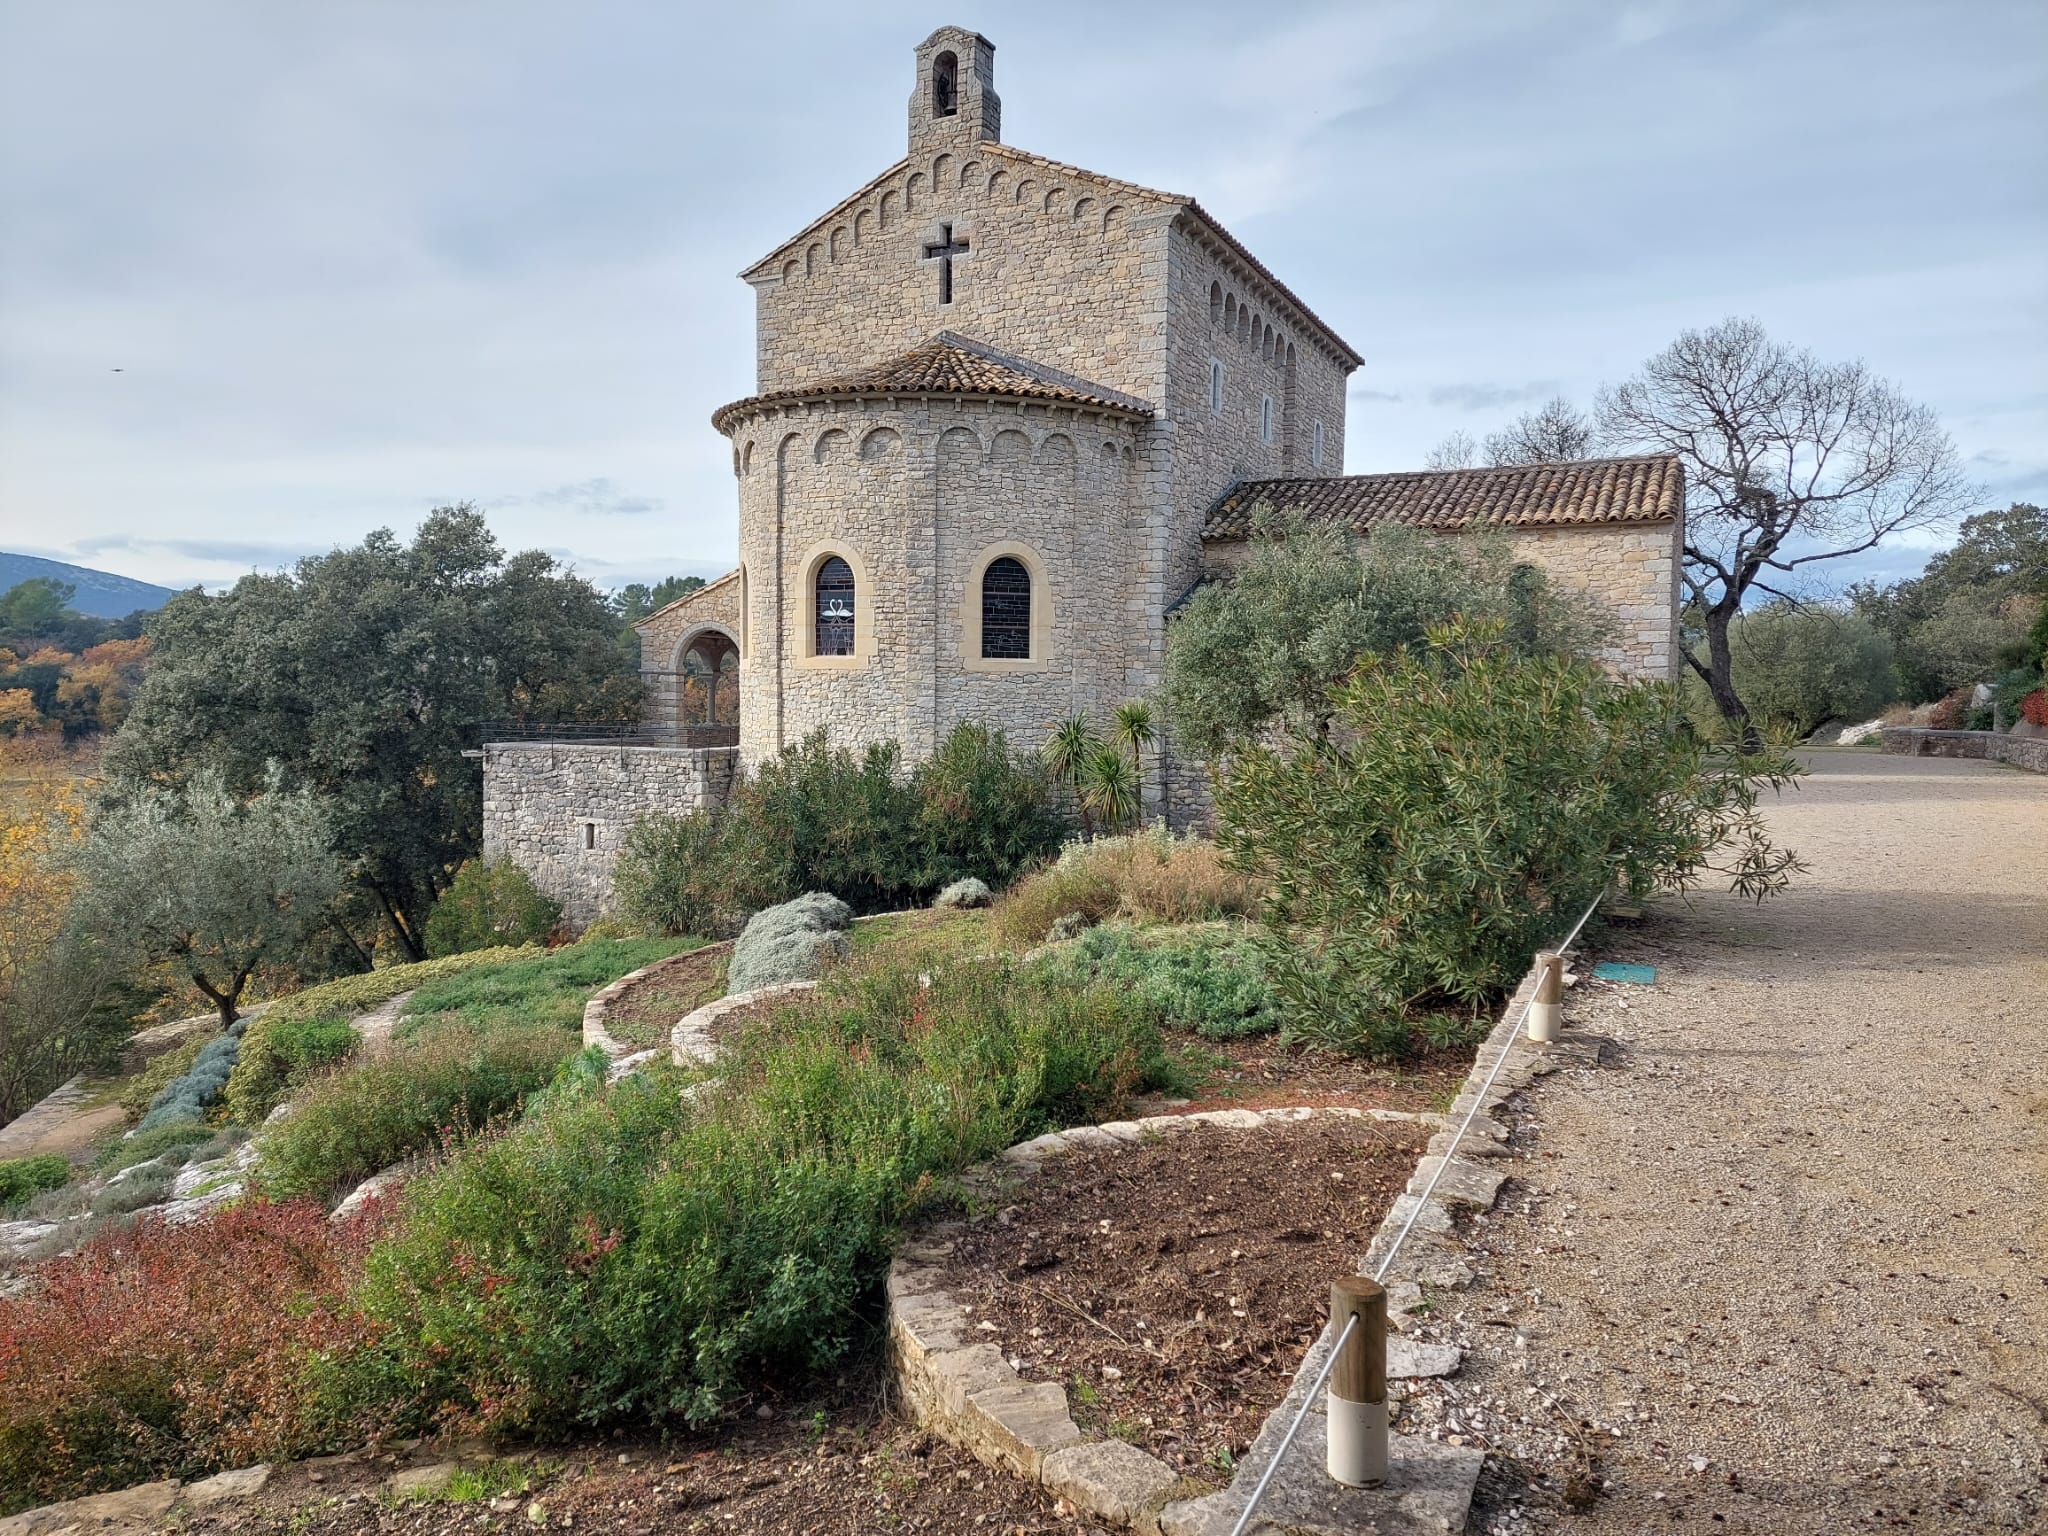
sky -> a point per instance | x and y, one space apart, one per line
276 273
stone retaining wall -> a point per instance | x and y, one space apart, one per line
561 810
2029 752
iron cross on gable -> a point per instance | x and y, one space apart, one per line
945 250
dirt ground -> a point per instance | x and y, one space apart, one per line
829 1466
1259 1073
645 1012
1173 1285
1780 1265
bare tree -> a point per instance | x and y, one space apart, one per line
1457 451
1557 431
1788 461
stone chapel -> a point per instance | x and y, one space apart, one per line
1008 413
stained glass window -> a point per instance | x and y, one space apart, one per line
835 608
1006 611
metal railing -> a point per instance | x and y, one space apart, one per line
1308 1401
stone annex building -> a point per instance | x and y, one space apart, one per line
1008 414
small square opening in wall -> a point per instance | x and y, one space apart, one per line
590 834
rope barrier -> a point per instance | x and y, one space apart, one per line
1308 1401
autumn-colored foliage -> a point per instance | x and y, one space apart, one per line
171 1350
2034 707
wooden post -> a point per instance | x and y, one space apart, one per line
1357 1397
1547 1011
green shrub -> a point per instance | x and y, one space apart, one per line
1213 983
819 818
489 906
181 1136
452 1078
262 1077
632 1253
23 1178
1469 806
541 988
305 1045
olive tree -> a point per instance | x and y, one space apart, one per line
1260 654
208 882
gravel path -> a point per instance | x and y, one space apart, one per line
1782 1260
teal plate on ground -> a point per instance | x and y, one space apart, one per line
1621 970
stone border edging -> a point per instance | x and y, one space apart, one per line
1430 1485
599 1007
971 1396
2028 752
690 1042
967 1392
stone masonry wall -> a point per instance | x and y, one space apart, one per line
561 811
915 496
1632 572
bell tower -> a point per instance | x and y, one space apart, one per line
954 104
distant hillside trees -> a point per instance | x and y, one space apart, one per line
365 674
64 673
1967 617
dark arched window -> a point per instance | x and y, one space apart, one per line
1006 611
835 608
945 85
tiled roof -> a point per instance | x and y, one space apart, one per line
1575 493
951 364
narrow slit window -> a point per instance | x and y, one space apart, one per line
835 598
1215 385
1266 420
1006 611
590 834
1315 446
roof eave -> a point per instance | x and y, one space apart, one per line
725 415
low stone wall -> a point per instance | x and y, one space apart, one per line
2029 752
561 810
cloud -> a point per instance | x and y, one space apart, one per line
1491 397
597 496
1384 395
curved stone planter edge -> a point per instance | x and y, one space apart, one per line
968 1394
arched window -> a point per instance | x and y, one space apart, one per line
945 85
835 598
1215 385
1215 303
1266 420
1006 610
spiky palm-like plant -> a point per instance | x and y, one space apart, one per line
1132 731
1110 789
1068 751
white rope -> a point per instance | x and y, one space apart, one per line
1286 1440
1259 1493
1472 1114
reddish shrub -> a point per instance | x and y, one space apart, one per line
2034 707
1949 714
169 1350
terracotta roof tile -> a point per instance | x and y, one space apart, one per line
1572 494
950 364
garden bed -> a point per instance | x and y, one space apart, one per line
823 1466
641 1013
1260 1073
1172 1285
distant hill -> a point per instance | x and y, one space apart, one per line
99 593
